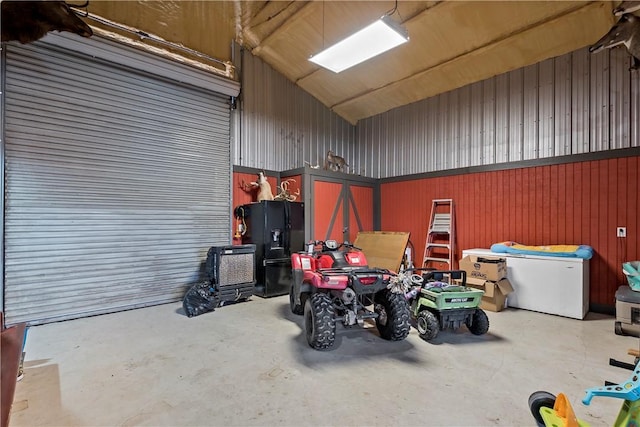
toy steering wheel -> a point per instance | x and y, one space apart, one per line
416 279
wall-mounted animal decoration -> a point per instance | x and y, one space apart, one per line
626 7
263 186
335 163
625 32
28 21
284 193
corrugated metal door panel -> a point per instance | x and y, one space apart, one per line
116 185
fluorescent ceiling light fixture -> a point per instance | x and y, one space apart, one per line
379 37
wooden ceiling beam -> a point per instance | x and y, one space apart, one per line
301 13
266 20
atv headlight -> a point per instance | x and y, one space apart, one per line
331 244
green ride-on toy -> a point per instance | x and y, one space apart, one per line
550 411
438 303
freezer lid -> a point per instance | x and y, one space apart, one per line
488 252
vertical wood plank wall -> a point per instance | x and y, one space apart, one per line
573 203
331 209
360 203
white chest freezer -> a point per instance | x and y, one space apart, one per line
553 285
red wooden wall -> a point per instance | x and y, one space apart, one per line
362 203
334 197
327 197
294 185
575 203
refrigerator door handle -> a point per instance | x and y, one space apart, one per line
276 261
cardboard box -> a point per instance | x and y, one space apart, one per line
495 293
477 267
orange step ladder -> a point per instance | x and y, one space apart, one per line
439 248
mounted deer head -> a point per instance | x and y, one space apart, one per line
28 21
625 32
626 7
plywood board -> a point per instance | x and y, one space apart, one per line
383 249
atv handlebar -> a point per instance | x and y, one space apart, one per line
349 245
327 245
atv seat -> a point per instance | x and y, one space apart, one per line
339 260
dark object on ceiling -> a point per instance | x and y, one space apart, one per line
28 21
625 32
626 7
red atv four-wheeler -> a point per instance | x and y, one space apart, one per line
335 284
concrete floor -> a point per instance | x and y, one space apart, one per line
249 364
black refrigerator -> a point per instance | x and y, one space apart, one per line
277 229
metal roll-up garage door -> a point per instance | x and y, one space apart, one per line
116 184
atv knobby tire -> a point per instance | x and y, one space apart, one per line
393 323
428 325
479 323
319 321
295 308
